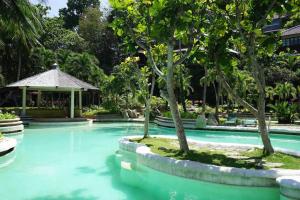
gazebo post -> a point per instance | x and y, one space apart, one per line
80 102
24 101
39 97
72 103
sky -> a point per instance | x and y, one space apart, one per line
58 4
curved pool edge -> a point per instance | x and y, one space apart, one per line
206 172
289 187
7 151
191 124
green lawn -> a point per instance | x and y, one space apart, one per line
251 159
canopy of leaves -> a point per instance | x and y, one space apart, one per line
74 10
57 37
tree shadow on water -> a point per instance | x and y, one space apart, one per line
132 192
75 195
86 170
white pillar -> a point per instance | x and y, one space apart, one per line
72 104
24 101
80 102
39 97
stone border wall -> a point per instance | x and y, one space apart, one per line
168 122
289 187
11 126
191 124
206 172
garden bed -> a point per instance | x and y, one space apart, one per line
214 162
10 123
249 158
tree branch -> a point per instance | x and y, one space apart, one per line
149 54
237 98
184 57
264 18
154 66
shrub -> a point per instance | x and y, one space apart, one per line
184 115
285 112
158 103
7 116
96 110
222 120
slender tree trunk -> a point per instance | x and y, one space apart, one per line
261 117
204 93
182 93
172 101
1 77
148 108
217 101
259 76
19 65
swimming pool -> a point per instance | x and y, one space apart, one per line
81 163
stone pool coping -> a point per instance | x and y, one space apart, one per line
191 124
7 144
207 172
289 186
59 122
10 120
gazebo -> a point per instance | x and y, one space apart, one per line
53 80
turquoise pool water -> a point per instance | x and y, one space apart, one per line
81 163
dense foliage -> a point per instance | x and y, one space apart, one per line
7 116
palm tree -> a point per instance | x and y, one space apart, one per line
19 27
285 91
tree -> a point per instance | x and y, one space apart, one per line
19 30
85 67
140 77
57 37
247 18
283 68
94 28
41 60
74 10
150 23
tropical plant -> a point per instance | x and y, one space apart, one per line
285 112
183 83
95 110
270 92
19 31
7 116
184 115
85 67
285 91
